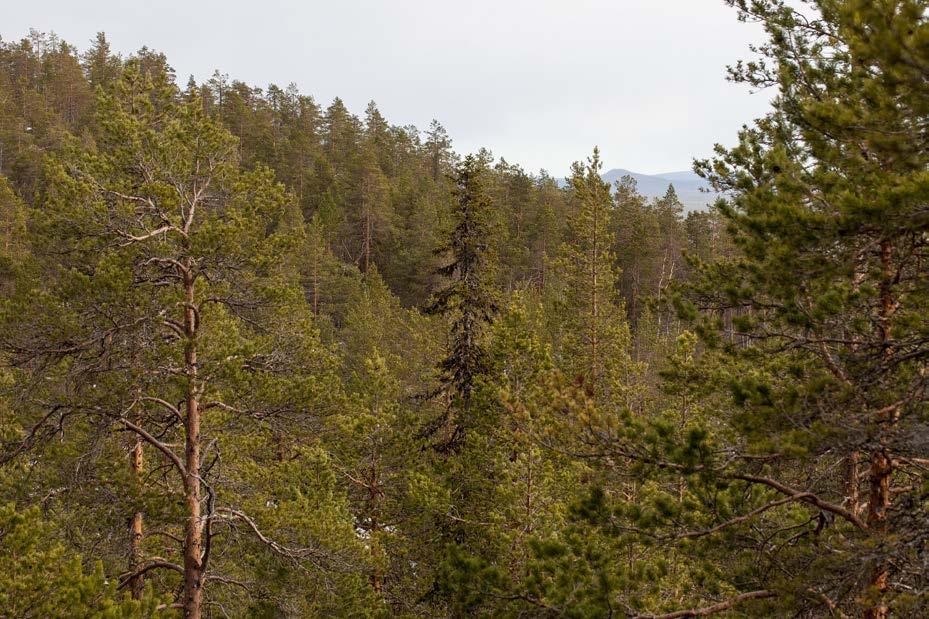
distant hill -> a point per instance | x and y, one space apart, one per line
686 183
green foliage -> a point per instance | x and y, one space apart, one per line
470 299
42 579
613 407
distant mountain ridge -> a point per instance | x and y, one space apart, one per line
686 183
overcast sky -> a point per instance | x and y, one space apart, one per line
539 82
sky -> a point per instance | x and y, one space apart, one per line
539 82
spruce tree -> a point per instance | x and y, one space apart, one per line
469 300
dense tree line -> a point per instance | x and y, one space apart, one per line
262 357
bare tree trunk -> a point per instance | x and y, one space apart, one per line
193 540
316 281
137 583
881 470
367 242
374 493
881 462
594 309
852 482
542 266
853 460
529 489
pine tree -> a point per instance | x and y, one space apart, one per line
378 137
513 190
635 245
812 376
101 66
669 215
546 228
173 253
372 214
437 149
12 223
593 333
42 579
212 368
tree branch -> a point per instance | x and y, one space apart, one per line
152 564
807 497
156 443
715 608
701 533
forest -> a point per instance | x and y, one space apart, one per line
266 357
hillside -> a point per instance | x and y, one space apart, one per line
264 356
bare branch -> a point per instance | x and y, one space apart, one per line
167 405
131 238
291 553
152 564
701 533
806 497
156 443
715 608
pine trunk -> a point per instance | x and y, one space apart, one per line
879 502
193 542
852 482
136 584
881 463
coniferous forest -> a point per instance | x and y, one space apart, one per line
261 356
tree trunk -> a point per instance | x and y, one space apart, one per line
316 281
881 470
377 575
193 540
594 308
852 482
881 462
367 242
136 584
